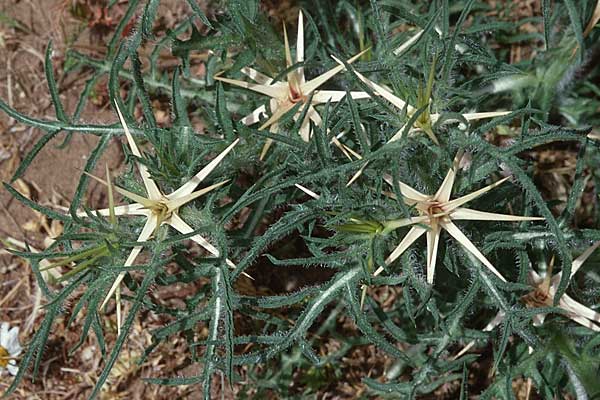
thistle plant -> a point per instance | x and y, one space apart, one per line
424 119
242 188
438 213
542 296
158 208
297 91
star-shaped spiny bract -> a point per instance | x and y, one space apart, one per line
425 120
438 212
159 208
543 294
285 95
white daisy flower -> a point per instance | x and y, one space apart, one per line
10 348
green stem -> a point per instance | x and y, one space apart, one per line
52 126
93 252
82 266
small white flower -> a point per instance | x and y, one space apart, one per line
10 348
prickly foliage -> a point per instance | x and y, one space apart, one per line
336 238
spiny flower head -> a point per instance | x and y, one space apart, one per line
437 212
285 95
159 208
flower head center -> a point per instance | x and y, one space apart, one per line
433 209
4 357
537 298
161 210
295 94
